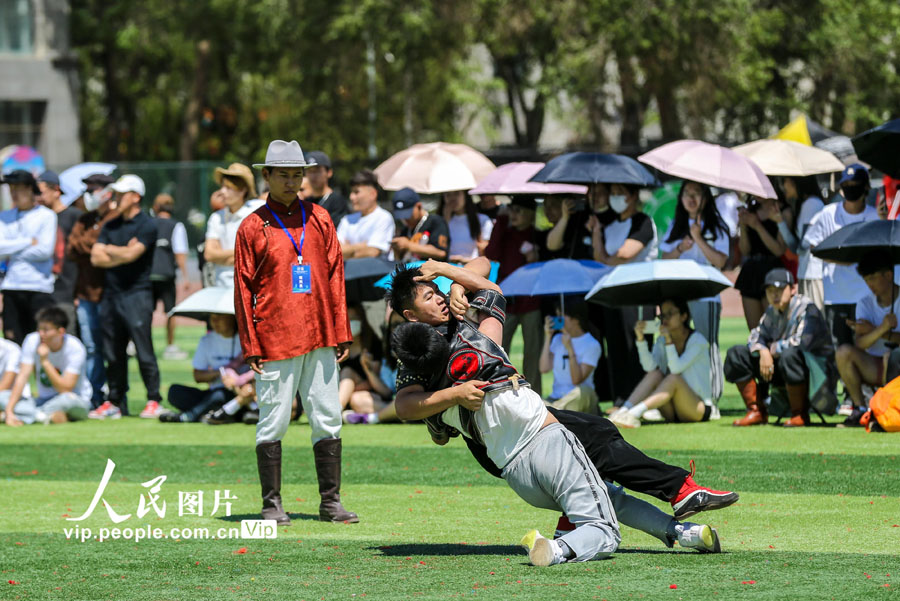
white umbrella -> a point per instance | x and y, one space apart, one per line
215 299
70 180
434 168
786 157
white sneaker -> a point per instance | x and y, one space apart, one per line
699 536
542 551
173 353
653 415
846 408
714 413
625 419
131 350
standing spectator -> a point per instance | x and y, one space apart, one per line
628 238
66 216
698 232
568 237
572 354
288 264
488 205
761 246
237 190
513 244
125 250
470 230
368 231
57 360
424 235
27 241
791 337
98 203
171 250
864 362
842 285
802 193
318 175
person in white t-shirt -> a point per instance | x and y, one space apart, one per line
677 381
841 283
58 363
10 354
238 190
572 354
876 327
470 231
368 231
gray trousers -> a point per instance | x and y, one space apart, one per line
29 411
315 376
639 514
706 316
553 472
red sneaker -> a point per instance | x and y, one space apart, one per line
563 526
693 498
151 410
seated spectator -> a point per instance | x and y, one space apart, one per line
761 246
368 231
470 230
876 327
170 252
571 353
424 236
512 245
360 388
216 350
382 377
10 355
677 381
243 406
57 360
238 192
791 337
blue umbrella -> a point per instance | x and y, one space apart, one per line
559 276
595 168
442 283
651 282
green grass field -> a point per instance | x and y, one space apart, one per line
819 516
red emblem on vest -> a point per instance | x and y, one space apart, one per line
464 365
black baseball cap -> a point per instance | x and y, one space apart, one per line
780 278
20 176
49 177
404 201
526 202
317 157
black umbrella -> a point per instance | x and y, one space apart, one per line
595 168
880 147
369 267
850 243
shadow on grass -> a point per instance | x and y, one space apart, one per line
238 517
450 549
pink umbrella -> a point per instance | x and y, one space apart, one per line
710 164
512 178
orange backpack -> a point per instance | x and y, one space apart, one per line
885 406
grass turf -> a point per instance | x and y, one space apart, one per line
819 516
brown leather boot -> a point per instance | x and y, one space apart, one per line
327 453
268 461
756 412
798 398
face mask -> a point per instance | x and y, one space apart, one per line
853 193
355 327
618 202
91 201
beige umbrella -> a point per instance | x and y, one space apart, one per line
786 157
434 168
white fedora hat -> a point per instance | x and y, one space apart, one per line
283 154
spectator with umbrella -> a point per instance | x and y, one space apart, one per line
789 345
470 231
698 232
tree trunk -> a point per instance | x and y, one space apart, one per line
190 130
634 103
668 113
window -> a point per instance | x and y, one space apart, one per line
16 27
21 122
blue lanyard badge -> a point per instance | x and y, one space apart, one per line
301 275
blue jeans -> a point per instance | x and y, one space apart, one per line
89 322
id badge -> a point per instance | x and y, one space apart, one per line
301 279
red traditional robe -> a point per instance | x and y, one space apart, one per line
273 322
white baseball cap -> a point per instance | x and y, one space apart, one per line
129 183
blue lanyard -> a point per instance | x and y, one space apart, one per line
286 231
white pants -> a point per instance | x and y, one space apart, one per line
315 376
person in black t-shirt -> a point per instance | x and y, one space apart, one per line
319 174
569 237
125 249
424 235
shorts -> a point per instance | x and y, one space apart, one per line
164 290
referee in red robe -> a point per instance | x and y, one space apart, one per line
291 310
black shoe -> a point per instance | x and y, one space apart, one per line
217 417
852 420
251 417
170 417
